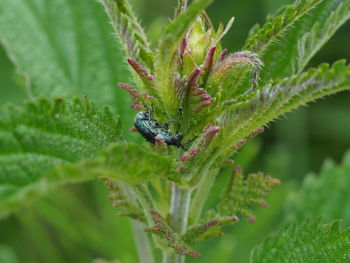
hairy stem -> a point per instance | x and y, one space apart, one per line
201 195
143 246
180 204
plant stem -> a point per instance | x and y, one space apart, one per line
144 249
180 203
201 195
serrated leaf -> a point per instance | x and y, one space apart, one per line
263 38
284 95
44 134
325 194
310 242
210 229
277 25
305 38
64 48
242 193
130 163
130 32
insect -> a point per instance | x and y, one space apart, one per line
150 129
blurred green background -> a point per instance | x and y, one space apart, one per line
77 224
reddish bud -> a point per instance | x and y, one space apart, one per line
235 219
199 91
223 55
204 105
141 71
209 59
193 78
184 158
133 129
193 152
251 220
129 89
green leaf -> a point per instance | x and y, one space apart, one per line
320 33
277 25
166 55
130 163
44 134
64 48
281 96
210 229
130 33
325 194
304 39
244 192
262 39
309 242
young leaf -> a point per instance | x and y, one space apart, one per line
64 48
277 25
162 229
243 193
210 229
130 32
309 242
326 194
44 134
304 39
166 56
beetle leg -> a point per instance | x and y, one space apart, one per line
150 111
166 124
191 140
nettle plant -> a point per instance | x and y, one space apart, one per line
196 104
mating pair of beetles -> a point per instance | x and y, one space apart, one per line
150 129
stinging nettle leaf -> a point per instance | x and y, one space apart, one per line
70 52
310 241
302 41
130 163
281 96
261 39
45 134
316 197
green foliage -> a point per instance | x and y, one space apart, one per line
162 229
130 163
275 26
64 49
129 31
320 33
210 229
301 42
325 194
309 242
224 105
243 193
166 55
45 134
281 96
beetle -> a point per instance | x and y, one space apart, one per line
150 129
